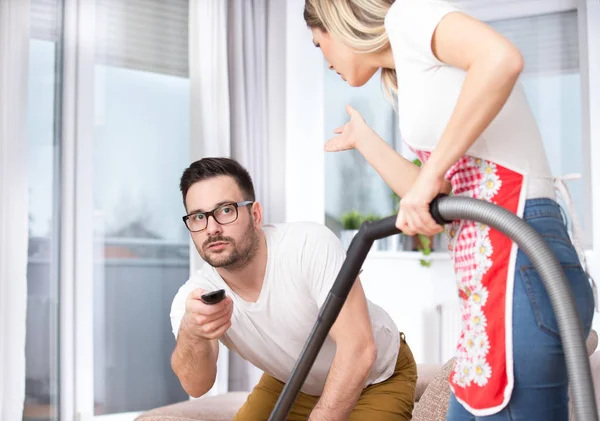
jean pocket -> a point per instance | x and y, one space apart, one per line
540 300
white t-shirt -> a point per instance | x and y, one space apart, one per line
303 262
429 89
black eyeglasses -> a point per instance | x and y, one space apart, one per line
224 214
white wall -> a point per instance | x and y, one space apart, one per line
304 120
410 293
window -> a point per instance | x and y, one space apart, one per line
549 44
366 193
141 147
41 350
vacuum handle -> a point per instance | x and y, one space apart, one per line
387 226
434 209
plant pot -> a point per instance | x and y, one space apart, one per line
346 237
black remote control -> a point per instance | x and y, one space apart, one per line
214 297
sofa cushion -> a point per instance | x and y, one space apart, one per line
426 373
433 404
592 342
595 366
209 408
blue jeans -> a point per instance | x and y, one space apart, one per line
541 384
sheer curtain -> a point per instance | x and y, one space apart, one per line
237 108
210 133
247 51
209 111
14 50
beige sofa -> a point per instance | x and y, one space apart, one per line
431 396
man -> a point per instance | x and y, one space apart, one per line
276 279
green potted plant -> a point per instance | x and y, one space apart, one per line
370 218
396 200
424 244
351 221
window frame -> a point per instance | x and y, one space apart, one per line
487 10
589 38
76 245
78 46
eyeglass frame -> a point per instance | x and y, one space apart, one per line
208 214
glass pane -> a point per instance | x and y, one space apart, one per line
552 82
41 350
367 193
556 103
141 147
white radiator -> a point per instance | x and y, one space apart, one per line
449 327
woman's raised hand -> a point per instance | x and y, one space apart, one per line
350 134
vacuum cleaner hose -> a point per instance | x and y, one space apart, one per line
444 210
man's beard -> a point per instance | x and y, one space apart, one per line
236 259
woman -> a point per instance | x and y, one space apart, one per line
462 111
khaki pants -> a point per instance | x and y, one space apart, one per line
392 399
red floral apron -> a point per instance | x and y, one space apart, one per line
484 262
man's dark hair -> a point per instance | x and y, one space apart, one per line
206 168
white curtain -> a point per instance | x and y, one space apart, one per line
250 142
247 51
14 50
209 110
209 80
237 106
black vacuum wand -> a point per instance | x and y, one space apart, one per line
444 210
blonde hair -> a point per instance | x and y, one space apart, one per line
360 24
